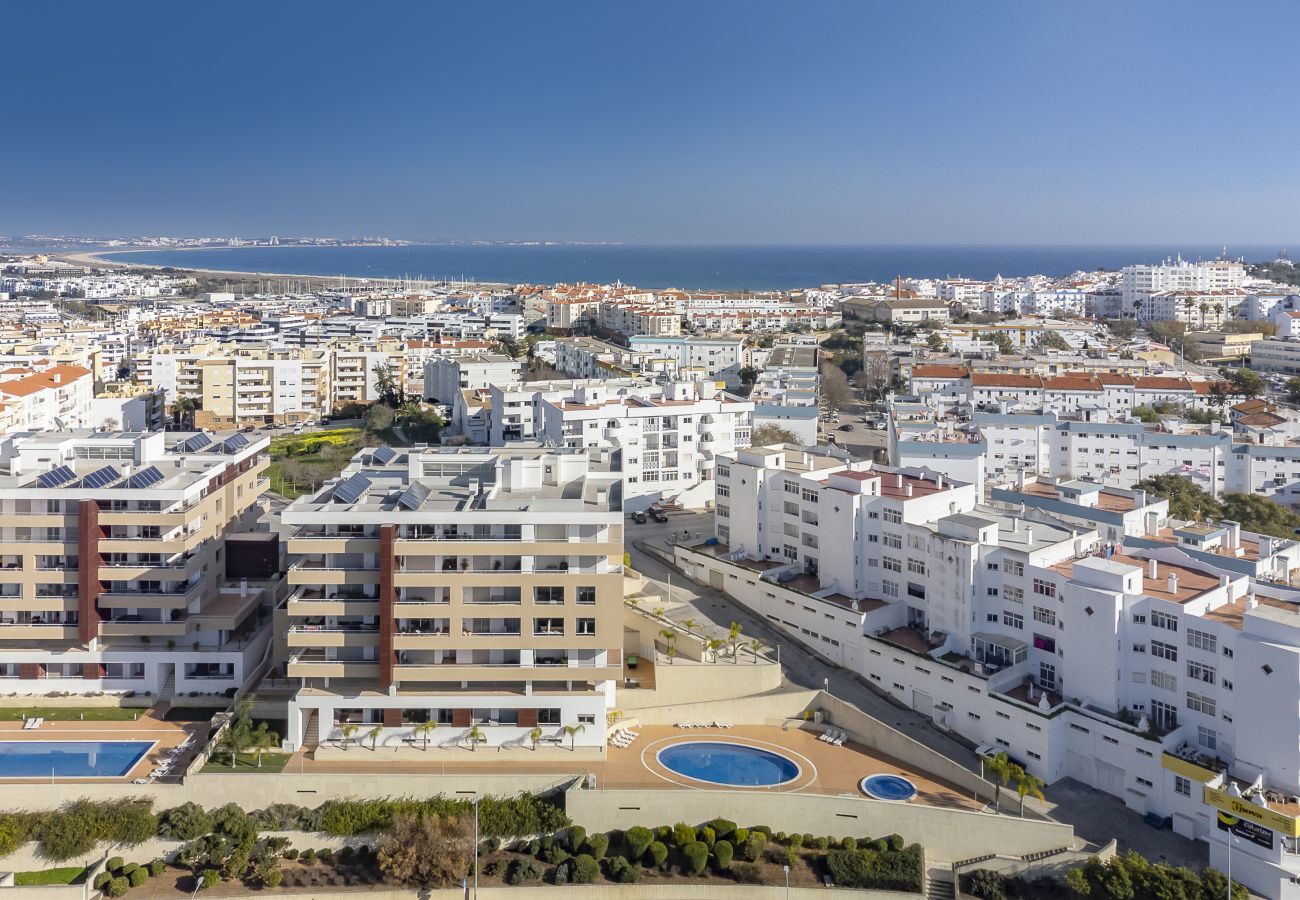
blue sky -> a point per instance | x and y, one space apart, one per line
663 122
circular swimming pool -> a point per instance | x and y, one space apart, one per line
737 765
888 787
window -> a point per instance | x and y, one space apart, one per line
1201 704
1015 620
1182 786
1044 587
1014 567
889 588
1046 616
1014 594
1200 672
1047 676
1164 651
586 596
891 540
1163 680
992 567
915 566
1202 640
548 626
724 490
890 563
724 512
1207 737
791 487
1163 620
586 626
586 718
893 516
1164 715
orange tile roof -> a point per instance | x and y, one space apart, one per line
1161 382
937 371
58 376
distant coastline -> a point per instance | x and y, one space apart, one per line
693 267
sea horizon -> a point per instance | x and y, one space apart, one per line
755 267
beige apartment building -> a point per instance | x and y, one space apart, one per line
113 562
467 587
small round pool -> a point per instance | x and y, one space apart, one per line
737 765
888 787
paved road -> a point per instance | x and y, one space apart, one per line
1097 817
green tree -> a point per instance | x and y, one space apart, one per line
388 387
183 410
748 375
1186 499
935 341
429 851
1051 340
767 435
1293 390
997 769
572 732
1259 514
1001 340
380 417
423 730
1026 785
1124 329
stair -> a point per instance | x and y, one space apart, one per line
311 734
168 686
939 886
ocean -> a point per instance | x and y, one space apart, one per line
756 268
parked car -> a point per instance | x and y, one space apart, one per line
638 517
659 515
846 428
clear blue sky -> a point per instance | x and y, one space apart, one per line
665 122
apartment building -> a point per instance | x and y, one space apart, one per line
115 557
668 435
45 398
588 357
466 587
720 358
1179 275
1076 628
444 377
1203 310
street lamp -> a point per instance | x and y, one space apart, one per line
474 852
787 882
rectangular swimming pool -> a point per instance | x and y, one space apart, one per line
70 759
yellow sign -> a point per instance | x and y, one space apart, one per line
1249 811
1186 768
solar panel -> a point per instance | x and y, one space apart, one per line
383 454
350 491
233 443
414 495
101 477
56 477
193 444
145 477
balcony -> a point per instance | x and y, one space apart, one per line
314 664
57 631
333 636
128 627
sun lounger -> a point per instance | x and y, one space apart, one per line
840 739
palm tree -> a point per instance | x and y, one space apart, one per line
424 729
690 625
374 734
183 410
475 736
348 730
756 646
670 638
234 740
998 770
713 645
1026 785
263 738
733 636
536 734
572 732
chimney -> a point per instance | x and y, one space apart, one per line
243 587
908 490
1251 602
1015 526
938 481
1173 582
1152 571
898 479
1029 534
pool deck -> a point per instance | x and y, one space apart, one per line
165 736
824 769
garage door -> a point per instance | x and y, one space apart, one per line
1079 767
1110 778
922 703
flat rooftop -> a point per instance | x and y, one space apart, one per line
1191 583
1106 500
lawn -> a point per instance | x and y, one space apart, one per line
320 455
246 762
66 875
71 713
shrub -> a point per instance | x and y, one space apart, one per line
747 873
560 875
521 871
14 828
157 867
555 855
273 878
495 868
739 836
664 833
880 845
708 836
683 834
638 839
307 857
428 851
753 848
289 853
889 871
101 881
138 877
779 837
577 834
129 868
128 822
723 828
184 823
492 844
346 855
325 854
585 869
849 843
723 852
791 856
620 870
657 853
986 884
763 828
117 887
68 832
806 839
697 856
822 844
795 840
209 878
114 864
534 847
597 845
895 842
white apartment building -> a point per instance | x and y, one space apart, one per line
445 376
1198 310
46 399
720 358
668 435
1179 275
118 562
470 587
1084 633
